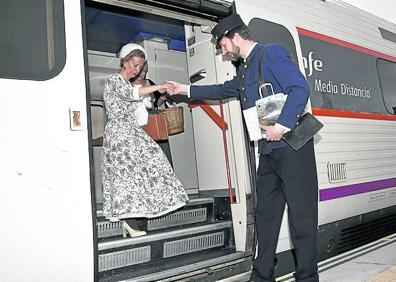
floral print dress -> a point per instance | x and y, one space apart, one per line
137 178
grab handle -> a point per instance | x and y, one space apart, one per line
201 74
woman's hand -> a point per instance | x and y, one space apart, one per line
164 87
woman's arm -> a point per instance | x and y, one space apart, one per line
146 90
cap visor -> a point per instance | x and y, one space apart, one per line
218 46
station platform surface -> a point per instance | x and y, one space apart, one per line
375 262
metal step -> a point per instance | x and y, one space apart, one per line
119 253
124 258
188 215
192 202
187 269
109 229
182 217
193 244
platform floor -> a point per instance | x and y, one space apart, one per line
373 263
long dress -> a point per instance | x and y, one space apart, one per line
137 178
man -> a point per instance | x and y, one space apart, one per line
284 175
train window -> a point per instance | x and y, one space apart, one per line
387 74
98 119
268 32
32 44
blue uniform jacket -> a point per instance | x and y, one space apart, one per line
277 69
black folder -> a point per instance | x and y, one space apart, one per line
307 126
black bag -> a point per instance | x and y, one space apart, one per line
307 126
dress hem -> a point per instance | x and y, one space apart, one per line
134 215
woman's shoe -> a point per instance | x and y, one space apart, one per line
132 232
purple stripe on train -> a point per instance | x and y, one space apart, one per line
354 189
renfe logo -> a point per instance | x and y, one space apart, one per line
312 64
330 85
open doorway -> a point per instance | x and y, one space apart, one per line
197 236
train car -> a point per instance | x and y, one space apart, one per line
55 58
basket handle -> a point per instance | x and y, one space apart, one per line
169 100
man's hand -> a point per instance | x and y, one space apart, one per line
166 87
178 88
273 132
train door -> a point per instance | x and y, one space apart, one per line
45 205
220 143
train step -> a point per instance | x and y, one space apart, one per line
205 267
162 245
197 210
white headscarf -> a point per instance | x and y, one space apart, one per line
128 48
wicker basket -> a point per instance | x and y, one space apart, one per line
157 126
175 119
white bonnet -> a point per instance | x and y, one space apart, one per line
126 49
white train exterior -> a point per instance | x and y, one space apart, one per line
55 56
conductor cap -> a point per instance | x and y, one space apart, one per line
225 26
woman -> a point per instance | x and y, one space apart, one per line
138 181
